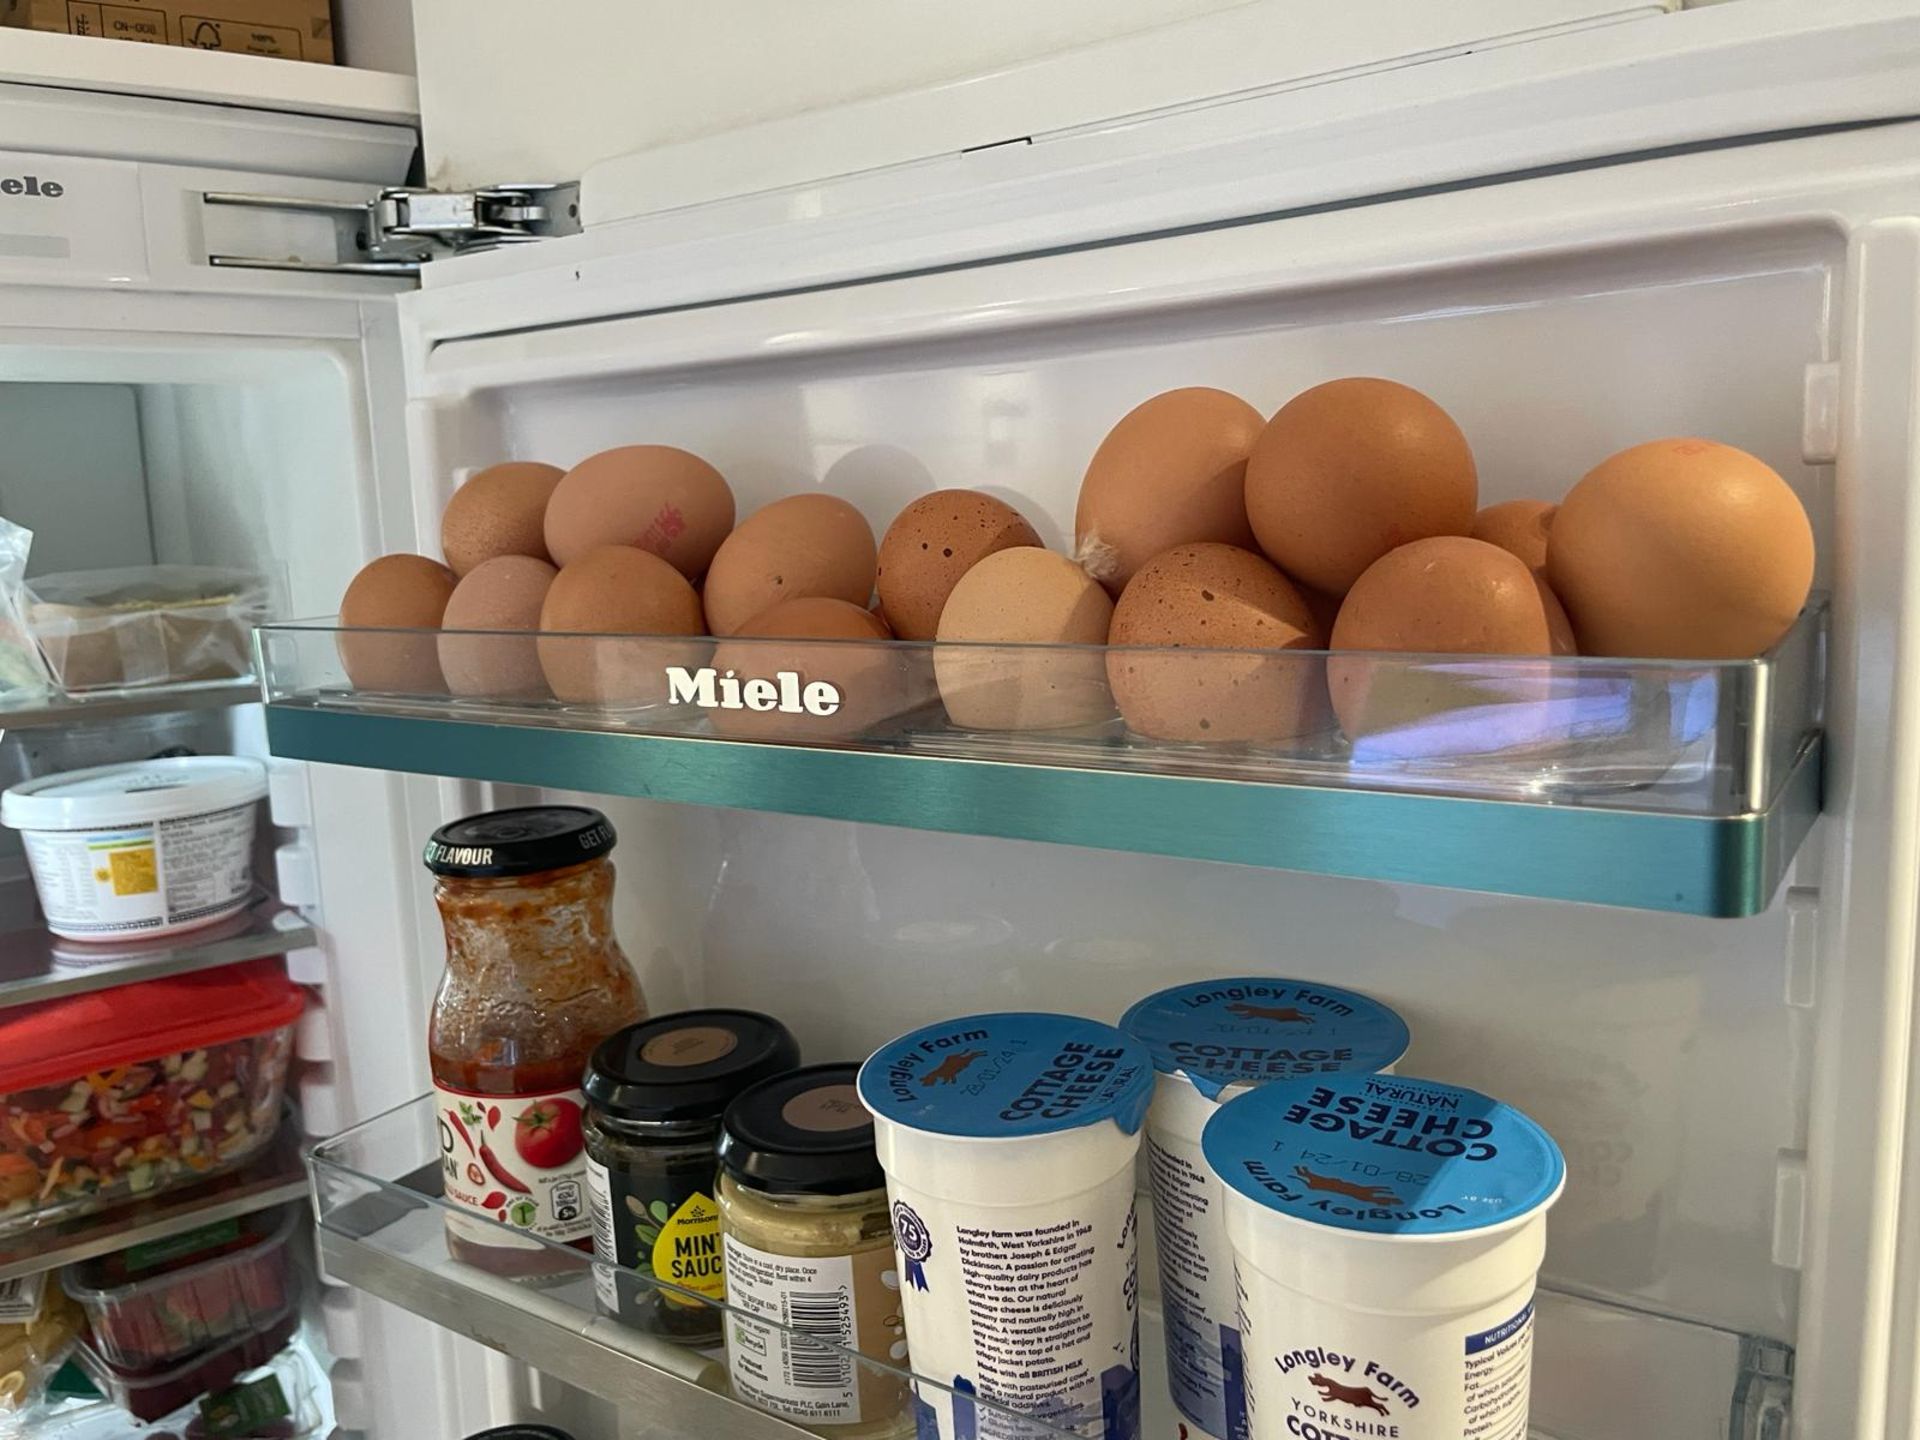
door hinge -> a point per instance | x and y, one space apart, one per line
1763 1397
401 229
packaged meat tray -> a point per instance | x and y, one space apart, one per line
150 1394
158 1303
117 1094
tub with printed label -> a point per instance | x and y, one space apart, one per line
1211 1041
1008 1143
1387 1233
140 850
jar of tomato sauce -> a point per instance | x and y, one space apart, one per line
534 981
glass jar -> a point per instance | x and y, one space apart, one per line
534 981
655 1094
809 1246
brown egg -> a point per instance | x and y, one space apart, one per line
869 681
1444 596
395 592
1172 472
500 511
1352 469
1209 598
1024 597
622 593
504 593
654 497
1681 549
811 544
931 544
1518 527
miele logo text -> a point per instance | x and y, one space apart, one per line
785 692
31 185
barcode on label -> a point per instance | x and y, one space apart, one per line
20 1299
600 1207
827 1317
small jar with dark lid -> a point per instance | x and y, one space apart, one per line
656 1092
808 1244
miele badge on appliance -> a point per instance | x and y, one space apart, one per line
31 185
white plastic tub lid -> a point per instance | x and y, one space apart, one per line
133 794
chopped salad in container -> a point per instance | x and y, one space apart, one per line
120 1093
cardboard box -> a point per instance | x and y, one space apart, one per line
291 29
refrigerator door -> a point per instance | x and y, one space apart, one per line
639 76
1577 242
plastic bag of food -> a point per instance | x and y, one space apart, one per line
155 625
38 1325
22 672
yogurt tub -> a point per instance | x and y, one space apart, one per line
1008 1143
1386 1237
1210 1042
151 848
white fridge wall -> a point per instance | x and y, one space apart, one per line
1725 1089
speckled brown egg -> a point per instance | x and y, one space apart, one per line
1202 599
622 593
1681 549
931 544
502 594
395 592
1024 597
1518 527
870 681
1449 595
1172 472
500 511
1354 468
654 497
811 544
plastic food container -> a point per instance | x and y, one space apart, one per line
1212 1041
153 625
1387 1233
156 1304
1009 1144
146 849
123 1092
150 1394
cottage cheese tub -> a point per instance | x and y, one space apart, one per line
140 850
1009 1144
1212 1041
1386 1237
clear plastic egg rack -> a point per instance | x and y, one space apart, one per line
1658 784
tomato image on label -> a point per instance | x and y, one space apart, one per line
547 1133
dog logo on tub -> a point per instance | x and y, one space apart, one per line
1333 1184
1360 1397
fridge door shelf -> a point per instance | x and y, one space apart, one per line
1663 785
37 965
383 1229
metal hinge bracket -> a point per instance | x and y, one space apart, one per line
402 229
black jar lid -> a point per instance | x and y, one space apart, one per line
802 1133
523 841
686 1066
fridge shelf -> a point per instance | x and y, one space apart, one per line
59 708
1664 785
382 1228
275 1176
37 965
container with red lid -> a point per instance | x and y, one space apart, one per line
116 1094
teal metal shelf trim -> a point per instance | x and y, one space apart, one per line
1700 865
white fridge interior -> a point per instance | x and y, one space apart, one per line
1732 1095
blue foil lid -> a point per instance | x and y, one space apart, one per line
1256 1029
1383 1155
1000 1076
